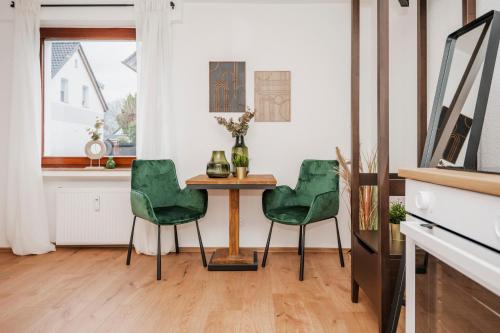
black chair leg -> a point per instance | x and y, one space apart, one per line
299 252
341 254
302 248
158 256
129 252
176 240
264 259
202 250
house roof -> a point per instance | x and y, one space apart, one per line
131 62
62 52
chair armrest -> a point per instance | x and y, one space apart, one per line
324 206
141 206
278 197
194 199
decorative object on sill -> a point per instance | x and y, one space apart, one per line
227 86
218 167
110 164
397 214
272 96
367 194
238 130
95 149
241 165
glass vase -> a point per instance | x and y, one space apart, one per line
218 167
239 148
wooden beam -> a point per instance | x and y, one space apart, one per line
355 154
468 11
421 77
385 287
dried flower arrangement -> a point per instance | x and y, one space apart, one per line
240 127
368 208
95 133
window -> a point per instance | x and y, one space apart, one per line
85 96
63 97
100 66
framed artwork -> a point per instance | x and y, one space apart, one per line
227 86
272 96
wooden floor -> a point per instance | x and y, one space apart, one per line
92 290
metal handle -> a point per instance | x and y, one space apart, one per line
423 200
97 203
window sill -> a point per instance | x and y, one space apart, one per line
115 174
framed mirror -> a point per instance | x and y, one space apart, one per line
461 103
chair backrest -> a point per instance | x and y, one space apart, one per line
157 179
316 177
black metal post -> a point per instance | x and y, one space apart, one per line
399 293
129 252
302 247
299 251
341 254
13 5
264 259
176 240
158 256
202 249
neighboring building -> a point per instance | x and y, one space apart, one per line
131 62
73 99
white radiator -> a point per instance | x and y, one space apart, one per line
86 216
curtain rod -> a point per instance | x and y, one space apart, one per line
13 4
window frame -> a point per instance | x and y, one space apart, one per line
85 96
63 91
78 34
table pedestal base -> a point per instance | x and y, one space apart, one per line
246 260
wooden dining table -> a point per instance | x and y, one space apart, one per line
233 258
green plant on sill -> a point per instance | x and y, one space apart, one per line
397 212
240 161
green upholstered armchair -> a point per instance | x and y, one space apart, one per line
315 198
157 198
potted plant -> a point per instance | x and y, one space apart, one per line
241 164
397 213
238 130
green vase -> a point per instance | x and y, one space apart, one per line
239 148
218 167
110 164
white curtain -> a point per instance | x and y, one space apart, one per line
27 223
155 121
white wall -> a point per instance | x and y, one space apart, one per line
313 42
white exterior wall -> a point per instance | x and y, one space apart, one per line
66 123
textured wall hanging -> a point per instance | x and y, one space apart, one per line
272 96
227 86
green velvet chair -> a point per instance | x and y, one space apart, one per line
157 198
314 199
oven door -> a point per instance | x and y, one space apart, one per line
453 284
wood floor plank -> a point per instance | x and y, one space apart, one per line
92 290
